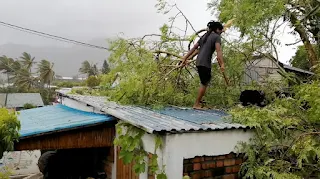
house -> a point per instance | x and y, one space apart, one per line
260 68
18 100
65 78
82 141
200 144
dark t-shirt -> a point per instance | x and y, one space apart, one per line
207 49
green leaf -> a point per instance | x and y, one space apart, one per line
139 167
268 161
126 156
161 176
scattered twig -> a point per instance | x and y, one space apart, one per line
294 43
150 35
175 5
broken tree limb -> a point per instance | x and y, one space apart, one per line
168 53
226 79
196 34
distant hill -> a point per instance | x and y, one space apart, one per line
67 60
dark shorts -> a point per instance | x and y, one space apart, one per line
204 74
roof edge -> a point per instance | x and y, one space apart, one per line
112 109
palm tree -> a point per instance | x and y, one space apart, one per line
89 69
27 61
9 66
45 69
24 79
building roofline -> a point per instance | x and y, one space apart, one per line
152 121
284 66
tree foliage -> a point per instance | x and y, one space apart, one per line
68 84
9 133
89 69
300 59
5 173
105 67
9 130
287 136
27 61
29 106
93 81
45 69
150 74
252 18
19 72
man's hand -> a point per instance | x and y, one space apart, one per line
183 62
222 68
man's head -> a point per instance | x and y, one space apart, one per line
216 27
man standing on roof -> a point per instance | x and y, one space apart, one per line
208 43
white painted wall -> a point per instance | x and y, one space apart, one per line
78 105
189 145
21 162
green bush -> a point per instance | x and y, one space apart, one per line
9 130
92 81
28 106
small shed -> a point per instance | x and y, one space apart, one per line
18 100
260 68
84 140
200 144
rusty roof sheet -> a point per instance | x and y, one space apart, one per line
171 119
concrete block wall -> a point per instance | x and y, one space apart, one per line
213 167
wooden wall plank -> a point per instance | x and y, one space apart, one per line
95 136
124 171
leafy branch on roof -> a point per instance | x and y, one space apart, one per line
287 136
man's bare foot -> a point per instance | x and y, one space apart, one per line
199 107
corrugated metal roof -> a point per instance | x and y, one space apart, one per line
171 119
297 69
19 99
54 118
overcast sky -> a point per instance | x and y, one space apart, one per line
89 19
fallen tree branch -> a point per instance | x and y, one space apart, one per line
168 53
197 34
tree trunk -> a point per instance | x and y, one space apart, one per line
6 100
304 37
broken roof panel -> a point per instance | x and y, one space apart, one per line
42 120
171 119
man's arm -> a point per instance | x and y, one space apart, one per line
192 50
219 56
